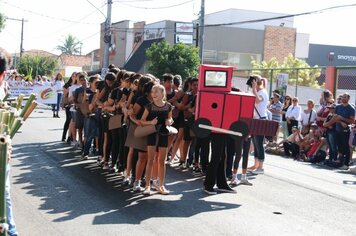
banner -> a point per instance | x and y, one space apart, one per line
45 94
282 83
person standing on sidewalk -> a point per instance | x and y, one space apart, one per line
261 104
3 91
345 116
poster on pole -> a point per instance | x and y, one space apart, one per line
282 83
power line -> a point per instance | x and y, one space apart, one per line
157 8
97 8
50 17
247 21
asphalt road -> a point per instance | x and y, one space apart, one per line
54 194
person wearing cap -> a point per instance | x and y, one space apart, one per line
330 132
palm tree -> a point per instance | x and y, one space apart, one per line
2 21
70 45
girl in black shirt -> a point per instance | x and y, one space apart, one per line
159 112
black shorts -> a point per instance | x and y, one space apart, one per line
79 120
179 121
187 128
158 140
105 124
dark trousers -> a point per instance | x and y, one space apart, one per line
123 151
290 147
230 152
216 168
134 163
259 150
113 145
242 148
66 123
342 141
55 107
331 139
290 125
202 150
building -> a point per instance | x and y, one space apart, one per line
236 36
130 40
72 63
331 55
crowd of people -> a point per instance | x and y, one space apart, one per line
325 135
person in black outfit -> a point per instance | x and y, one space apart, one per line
159 113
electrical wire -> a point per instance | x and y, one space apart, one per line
97 8
46 16
157 8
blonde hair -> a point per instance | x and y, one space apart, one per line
163 90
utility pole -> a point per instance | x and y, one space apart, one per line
107 36
21 45
22 27
201 30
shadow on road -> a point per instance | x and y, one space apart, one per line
69 189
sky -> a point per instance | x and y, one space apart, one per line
48 22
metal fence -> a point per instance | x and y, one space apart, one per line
346 82
304 83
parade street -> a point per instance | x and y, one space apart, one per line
55 194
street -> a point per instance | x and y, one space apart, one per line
54 194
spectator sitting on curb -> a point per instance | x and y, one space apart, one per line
291 144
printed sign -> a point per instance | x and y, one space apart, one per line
44 94
184 38
282 83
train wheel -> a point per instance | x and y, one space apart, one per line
241 127
200 132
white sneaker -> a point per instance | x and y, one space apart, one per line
258 172
83 158
106 166
234 182
137 186
244 182
155 185
147 191
344 167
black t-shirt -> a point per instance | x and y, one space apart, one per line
160 112
116 94
90 94
284 115
126 91
77 92
134 97
171 95
143 102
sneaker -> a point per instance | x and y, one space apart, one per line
353 170
234 182
137 186
344 167
98 160
209 191
83 157
258 172
162 190
155 185
106 166
73 143
127 181
147 191
226 190
244 182
112 169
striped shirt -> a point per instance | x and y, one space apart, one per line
275 115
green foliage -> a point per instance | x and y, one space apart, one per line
70 45
303 77
2 21
31 66
176 59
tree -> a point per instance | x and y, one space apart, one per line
31 66
70 45
307 76
176 59
2 21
